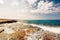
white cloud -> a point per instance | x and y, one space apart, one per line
22 9
43 7
14 4
46 8
1 2
31 1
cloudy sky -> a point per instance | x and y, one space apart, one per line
30 9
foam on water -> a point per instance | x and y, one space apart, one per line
48 28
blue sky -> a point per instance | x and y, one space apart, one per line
50 16
55 1
54 16
30 9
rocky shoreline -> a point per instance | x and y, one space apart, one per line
24 31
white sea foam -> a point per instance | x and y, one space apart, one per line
9 31
48 28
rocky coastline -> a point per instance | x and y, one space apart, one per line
24 31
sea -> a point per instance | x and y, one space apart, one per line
44 22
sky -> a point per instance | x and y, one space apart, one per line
30 9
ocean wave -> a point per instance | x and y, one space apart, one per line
48 28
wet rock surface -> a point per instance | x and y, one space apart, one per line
21 31
50 36
3 21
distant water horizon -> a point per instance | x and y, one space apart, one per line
44 22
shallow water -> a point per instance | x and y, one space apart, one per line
45 22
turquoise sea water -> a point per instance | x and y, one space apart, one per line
45 22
